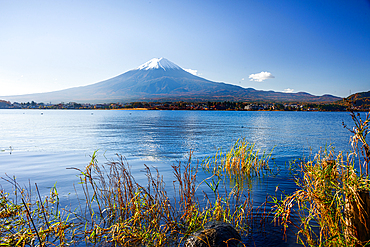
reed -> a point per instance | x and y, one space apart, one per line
240 164
26 221
331 206
129 214
238 169
116 210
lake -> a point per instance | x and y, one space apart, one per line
36 146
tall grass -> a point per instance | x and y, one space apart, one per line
27 220
238 168
129 214
116 210
240 164
331 206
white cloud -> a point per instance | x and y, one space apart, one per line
288 90
192 71
261 76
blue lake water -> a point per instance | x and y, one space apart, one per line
37 146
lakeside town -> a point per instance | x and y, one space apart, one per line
181 105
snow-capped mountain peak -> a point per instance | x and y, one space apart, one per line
158 63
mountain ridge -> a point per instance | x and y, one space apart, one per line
162 80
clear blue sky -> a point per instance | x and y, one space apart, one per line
316 46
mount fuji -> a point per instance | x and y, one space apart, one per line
162 80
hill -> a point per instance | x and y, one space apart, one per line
359 101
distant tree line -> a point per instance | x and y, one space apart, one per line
209 105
